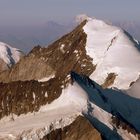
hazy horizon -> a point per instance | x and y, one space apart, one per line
34 12
23 23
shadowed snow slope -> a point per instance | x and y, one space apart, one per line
113 51
9 55
99 106
113 103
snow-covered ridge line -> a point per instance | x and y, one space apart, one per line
37 126
113 51
60 113
9 55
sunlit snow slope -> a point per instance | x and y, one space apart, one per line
113 51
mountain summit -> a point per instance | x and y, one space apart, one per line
102 50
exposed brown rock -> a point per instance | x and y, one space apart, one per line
131 84
80 129
22 97
109 80
64 55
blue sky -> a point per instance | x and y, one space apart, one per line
24 12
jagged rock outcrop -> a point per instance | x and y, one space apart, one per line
22 97
66 54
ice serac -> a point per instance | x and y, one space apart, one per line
8 56
113 51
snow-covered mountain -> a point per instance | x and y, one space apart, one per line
8 56
37 102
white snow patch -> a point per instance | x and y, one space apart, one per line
34 95
62 86
46 94
75 51
83 65
62 48
46 78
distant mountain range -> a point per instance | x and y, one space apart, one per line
27 37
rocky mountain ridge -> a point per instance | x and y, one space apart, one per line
39 91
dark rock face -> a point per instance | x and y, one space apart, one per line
22 97
109 80
80 129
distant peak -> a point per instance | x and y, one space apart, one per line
9 54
